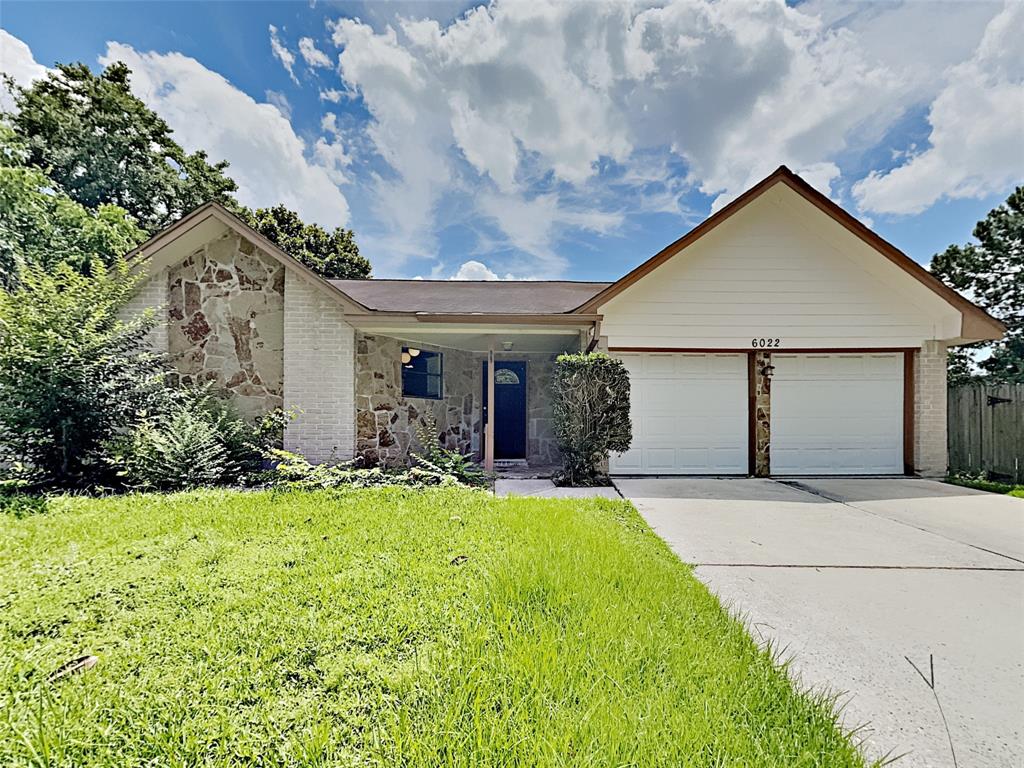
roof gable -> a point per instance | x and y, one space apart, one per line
203 224
976 324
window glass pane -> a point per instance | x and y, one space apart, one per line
433 386
421 373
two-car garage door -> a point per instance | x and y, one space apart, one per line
830 414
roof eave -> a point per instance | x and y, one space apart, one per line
564 319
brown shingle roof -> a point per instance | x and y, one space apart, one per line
513 297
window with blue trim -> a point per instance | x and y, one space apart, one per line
421 373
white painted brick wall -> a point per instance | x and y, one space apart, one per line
319 374
930 459
151 292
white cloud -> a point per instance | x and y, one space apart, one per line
333 158
280 101
332 95
313 56
513 93
207 112
17 61
282 54
916 39
474 270
977 130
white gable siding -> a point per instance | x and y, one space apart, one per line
775 270
319 373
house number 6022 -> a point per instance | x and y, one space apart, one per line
765 343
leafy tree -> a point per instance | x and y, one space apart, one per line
329 254
991 273
39 225
103 146
72 373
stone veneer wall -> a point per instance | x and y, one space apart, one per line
762 415
318 369
930 457
225 309
386 420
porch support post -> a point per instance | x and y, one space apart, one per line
489 429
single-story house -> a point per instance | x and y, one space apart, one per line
780 336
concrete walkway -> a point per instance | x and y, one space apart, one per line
544 488
851 577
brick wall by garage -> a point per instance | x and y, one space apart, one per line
930 459
319 364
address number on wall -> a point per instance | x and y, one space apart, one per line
763 343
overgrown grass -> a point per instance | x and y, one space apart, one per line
1009 489
382 627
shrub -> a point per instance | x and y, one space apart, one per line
72 373
590 403
16 502
194 438
435 457
175 450
294 471
435 465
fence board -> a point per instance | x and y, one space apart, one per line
987 438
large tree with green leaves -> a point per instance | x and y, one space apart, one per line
42 226
329 254
101 145
991 273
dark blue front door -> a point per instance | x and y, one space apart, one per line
509 409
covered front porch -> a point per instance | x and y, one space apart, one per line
451 371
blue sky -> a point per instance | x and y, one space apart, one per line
539 140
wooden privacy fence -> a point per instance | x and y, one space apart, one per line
986 430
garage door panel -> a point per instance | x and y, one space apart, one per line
630 461
731 365
660 365
837 414
689 414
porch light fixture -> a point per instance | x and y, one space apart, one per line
507 346
768 370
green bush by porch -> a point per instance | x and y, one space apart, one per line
590 408
381 627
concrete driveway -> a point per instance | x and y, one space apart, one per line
851 577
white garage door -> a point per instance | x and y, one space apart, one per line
837 414
689 414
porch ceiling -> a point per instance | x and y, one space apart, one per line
544 340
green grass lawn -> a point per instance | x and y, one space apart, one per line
378 628
991 486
